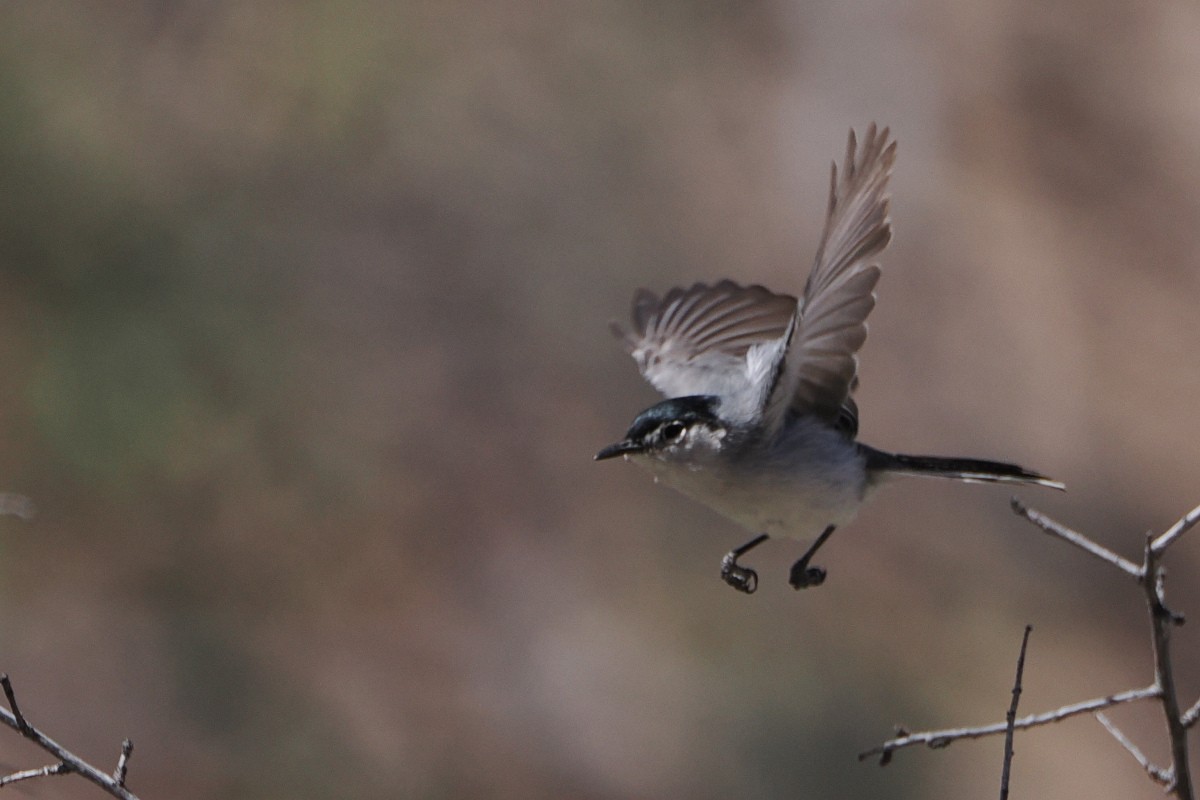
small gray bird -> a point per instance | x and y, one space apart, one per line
760 424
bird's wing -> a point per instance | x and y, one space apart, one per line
818 365
714 340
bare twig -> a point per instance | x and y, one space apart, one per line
1161 623
1156 773
1175 531
943 738
18 718
21 506
1152 577
69 761
60 768
1011 718
1191 715
1078 539
123 762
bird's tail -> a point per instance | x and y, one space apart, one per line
971 470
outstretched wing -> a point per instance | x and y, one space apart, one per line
819 366
762 352
713 340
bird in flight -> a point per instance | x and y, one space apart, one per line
759 423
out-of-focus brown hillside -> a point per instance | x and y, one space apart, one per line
303 322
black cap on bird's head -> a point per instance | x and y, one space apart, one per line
663 424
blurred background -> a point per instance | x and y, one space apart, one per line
303 327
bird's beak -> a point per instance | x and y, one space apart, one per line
619 449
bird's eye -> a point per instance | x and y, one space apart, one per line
673 431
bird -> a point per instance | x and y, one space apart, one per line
760 423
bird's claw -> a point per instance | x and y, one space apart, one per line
743 579
803 576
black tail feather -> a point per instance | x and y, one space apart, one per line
971 470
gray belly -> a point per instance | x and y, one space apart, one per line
799 515
797 504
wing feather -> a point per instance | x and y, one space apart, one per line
765 353
696 340
820 367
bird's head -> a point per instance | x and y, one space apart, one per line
681 429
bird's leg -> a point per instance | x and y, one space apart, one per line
741 578
803 575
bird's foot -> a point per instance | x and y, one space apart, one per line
741 578
803 576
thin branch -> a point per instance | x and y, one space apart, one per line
1011 717
1191 715
18 717
1161 623
123 762
61 768
1175 531
943 738
1151 576
1078 539
1156 773
71 762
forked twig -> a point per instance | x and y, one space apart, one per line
935 740
68 762
1162 621
1151 575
